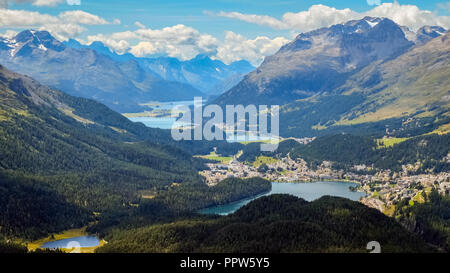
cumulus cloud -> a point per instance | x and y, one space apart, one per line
178 41
237 47
318 16
184 42
82 17
409 15
119 46
63 26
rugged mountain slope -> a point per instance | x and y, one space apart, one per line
319 61
274 224
47 131
418 82
201 72
426 33
86 73
406 94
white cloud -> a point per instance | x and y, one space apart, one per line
82 17
237 47
409 15
22 18
139 24
253 18
143 49
178 41
119 46
63 26
184 42
318 16
63 31
9 34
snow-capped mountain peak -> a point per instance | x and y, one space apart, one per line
28 42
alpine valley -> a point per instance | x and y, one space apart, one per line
364 102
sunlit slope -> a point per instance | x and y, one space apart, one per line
89 153
416 83
412 90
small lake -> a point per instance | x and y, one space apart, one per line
83 241
307 191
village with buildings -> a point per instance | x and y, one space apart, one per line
383 189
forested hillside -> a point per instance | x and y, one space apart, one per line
273 224
347 150
62 159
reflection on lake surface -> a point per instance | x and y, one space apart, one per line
167 122
307 191
83 241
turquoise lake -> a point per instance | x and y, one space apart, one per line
307 191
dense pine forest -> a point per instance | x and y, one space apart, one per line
273 224
347 150
431 219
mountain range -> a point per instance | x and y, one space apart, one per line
210 76
364 71
126 81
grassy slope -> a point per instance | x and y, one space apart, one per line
417 81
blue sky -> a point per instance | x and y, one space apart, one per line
219 28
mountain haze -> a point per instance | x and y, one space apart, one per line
210 76
87 73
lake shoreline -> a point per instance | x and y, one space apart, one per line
308 191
